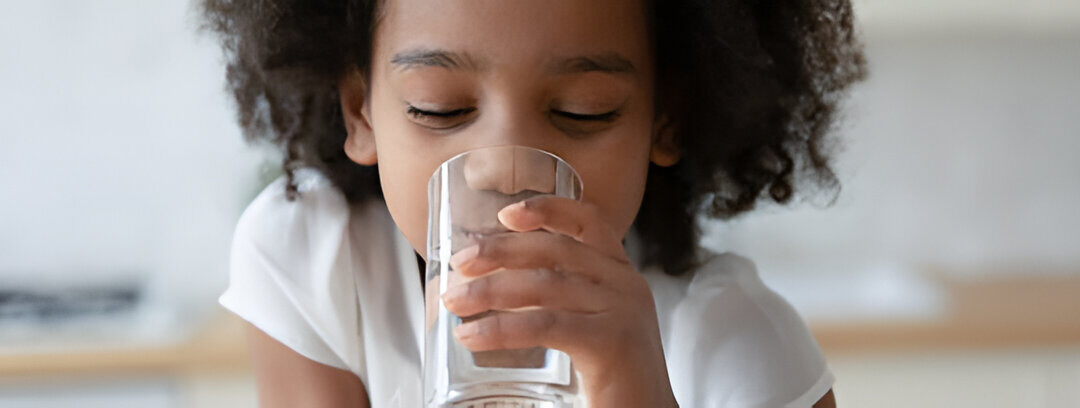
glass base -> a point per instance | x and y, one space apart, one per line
504 395
507 402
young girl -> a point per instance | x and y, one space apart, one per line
667 109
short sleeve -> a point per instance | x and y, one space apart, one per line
732 342
289 273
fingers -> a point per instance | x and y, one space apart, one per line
561 280
580 221
514 289
555 329
534 250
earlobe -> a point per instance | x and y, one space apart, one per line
360 139
665 149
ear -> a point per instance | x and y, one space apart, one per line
665 149
355 110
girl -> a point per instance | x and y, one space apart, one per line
667 109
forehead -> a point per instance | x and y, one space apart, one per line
502 32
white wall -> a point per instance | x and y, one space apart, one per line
959 15
961 158
119 155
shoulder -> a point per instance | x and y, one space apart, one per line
290 270
308 231
275 220
732 341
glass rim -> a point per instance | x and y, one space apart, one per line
577 176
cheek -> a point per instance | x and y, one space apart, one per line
405 165
614 178
405 191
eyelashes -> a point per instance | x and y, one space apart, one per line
603 117
573 124
420 114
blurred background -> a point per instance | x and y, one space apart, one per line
946 274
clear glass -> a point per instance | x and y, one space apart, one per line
465 195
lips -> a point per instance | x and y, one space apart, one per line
475 233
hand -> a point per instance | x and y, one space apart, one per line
583 297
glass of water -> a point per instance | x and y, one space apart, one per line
465 195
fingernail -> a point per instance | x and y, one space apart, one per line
464 256
466 330
521 213
454 292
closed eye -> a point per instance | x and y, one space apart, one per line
413 111
602 117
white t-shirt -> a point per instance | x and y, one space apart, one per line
339 284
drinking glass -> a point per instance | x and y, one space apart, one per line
465 195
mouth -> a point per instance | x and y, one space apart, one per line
477 233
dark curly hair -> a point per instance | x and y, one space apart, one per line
752 88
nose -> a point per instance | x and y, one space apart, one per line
510 170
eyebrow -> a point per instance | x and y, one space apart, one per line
611 63
434 58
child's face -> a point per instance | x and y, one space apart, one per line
570 77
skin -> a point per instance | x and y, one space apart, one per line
570 77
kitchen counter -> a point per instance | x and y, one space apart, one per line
217 347
1018 312
1001 312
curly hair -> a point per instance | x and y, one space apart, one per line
752 88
